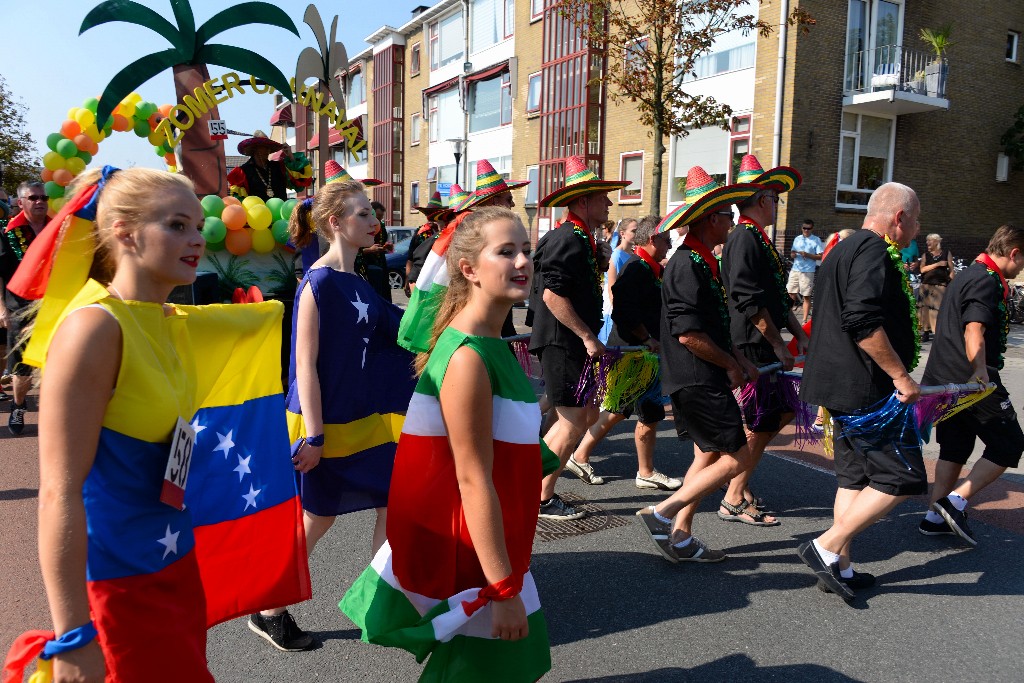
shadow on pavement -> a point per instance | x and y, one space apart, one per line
18 494
737 668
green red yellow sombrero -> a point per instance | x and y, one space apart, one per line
336 174
703 196
490 184
579 181
458 199
433 207
780 179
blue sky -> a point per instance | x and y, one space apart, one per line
51 68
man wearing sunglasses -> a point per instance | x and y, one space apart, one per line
18 234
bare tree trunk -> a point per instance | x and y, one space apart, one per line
656 169
202 159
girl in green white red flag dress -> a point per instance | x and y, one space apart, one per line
453 580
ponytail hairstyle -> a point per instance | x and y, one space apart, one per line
312 214
467 243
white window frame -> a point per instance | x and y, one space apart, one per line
414 194
856 159
432 123
533 175
737 136
504 96
540 92
434 37
1015 37
415 124
871 42
417 64
534 14
629 198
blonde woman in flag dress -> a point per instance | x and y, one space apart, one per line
452 583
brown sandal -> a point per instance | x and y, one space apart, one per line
735 514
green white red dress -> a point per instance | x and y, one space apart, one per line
419 592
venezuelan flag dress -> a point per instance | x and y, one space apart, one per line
412 596
366 381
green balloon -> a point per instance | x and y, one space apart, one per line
53 139
275 204
214 246
53 190
288 207
214 229
142 128
66 148
213 206
92 104
159 151
280 231
144 110
84 156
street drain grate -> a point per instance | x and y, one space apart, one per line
597 519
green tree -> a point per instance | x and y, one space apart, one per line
17 151
651 46
191 51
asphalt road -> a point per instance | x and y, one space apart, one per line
617 611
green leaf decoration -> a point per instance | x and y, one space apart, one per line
131 77
231 57
132 12
186 22
242 14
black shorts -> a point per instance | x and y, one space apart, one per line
711 417
882 461
564 380
765 413
994 421
649 408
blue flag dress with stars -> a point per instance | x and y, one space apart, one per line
366 382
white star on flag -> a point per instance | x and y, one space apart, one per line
169 542
362 308
225 443
250 498
243 467
196 427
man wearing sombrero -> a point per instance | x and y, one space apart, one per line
436 214
567 314
700 366
264 177
491 188
755 279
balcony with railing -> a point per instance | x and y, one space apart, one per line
894 80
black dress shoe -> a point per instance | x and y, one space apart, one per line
956 519
828 574
856 582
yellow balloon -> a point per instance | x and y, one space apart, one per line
156 138
263 240
85 117
172 169
259 216
252 201
53 161
134 97
75 165
92 132
57 203
72 113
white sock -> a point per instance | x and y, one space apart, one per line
934 517
958 501
663 520
846 573
683 544
827 555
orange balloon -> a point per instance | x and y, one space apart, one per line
170 159
231 201
62 177
94 147
234 217
120 123
70 129
238 242
46 175
165 110
82 142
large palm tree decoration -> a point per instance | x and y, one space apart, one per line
202 158
323 66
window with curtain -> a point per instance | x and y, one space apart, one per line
533 93
492 22
740 57
865 161
446 122
491 103
446 41
631 168
356 92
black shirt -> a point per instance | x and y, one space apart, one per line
636 300
973 297
562 264
690 304
275 171
12 250
418 255
857 289
749 275
940 275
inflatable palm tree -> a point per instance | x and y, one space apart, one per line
202 158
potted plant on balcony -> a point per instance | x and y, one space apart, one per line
937 70
918 85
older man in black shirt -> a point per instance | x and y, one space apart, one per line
863 345
700 366
970 339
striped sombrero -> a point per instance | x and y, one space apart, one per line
336 174
434 206
458 198
579 181
703 196
490 184
780 179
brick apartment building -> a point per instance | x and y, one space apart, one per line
864 101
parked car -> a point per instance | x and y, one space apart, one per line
399 232
396 263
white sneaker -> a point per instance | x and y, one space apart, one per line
584 471
657 480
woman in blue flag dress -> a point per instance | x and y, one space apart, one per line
349 382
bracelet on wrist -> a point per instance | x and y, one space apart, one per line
74 639
315 441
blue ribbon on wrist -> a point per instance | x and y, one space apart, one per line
72 640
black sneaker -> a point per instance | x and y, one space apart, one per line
856 582
956 519
16 422
935 528
282 632
558 509
826 573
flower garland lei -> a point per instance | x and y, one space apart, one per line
581 231
773 255
702 255
1004 314
893 250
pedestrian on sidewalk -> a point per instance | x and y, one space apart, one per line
970 340
865 343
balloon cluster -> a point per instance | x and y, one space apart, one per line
78 140
251 223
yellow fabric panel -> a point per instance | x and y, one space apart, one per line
352 437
